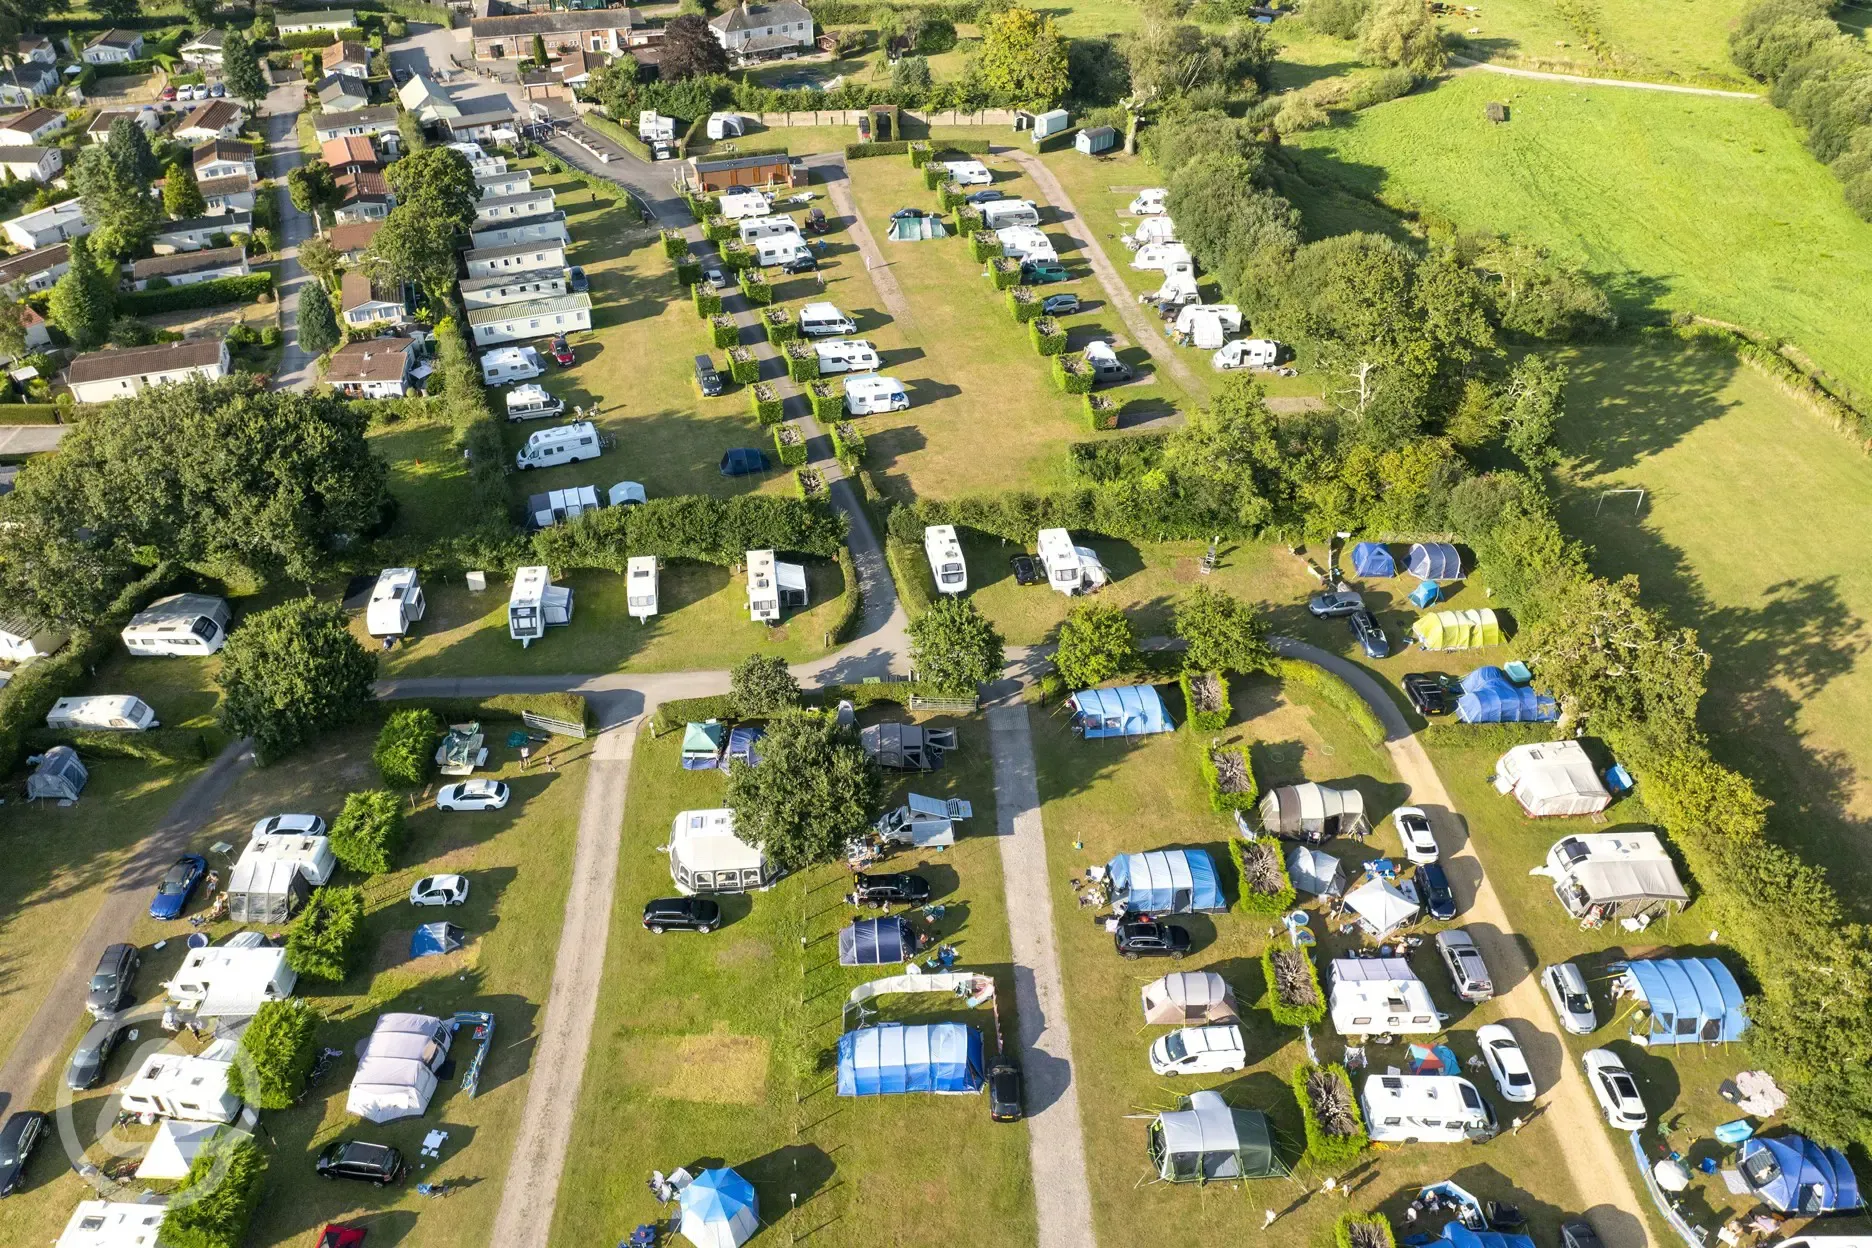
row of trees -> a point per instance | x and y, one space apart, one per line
1822 76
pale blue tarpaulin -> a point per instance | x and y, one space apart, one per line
893 1057
1434 561
1166 881
1792 1174
1489 697
1692 1000
1373 559
1131 711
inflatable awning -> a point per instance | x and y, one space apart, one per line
1458 630
1692 1000
894 1058
1434 561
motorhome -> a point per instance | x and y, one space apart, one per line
707 857
870 394
968 172
820 320
1246 353
1195 320
232 980
108 712
505 364
1424 1109
395 603
531 402
739 205
640 581
944 553
193 624
1151 230
1380 997
1003 213
1160 256
1026 242
185 1087
753 229
551 507
845 355
1070 569
1150 202
782 250
924 822
564 444
536 604
1105 364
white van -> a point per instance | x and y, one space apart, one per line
536 604
1150 201
531 403
179 624
968 172
543 511
944 553
1026 242
110 712
395 604
505 364
754 228
817 320
846 355
739 205
567 444
1199 1051
871 394
1160 256
782 250
1424 1109
1005 212
1246 353
640 582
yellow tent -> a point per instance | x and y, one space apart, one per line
1457 630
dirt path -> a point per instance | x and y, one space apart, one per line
1511 72
838 187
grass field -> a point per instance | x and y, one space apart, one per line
1682 42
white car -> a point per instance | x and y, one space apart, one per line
1413 828
472 795
290 825
1616 1089
439 890
1506 1063
1566 989
1199 1051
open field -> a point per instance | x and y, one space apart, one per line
1685 42
712 1049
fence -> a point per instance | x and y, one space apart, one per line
558 727
965 706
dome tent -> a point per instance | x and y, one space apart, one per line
59 775
1489 697
1458 630
1792 1174
1434 561
1373 559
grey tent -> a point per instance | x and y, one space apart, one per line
876 942
59 775
1189 998
396 1067
1315 871
1210 1140
907 747
265 890
1313 812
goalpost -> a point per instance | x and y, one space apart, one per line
1638 498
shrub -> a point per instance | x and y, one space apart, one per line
802 363
847 441
743 368
1363 1230
737 256
324 940
688 271
1228 774
1101 413
756 288
1095 644
368 831
253 288
984 246
1497 737
1023 303
1294 995
933 176
779 326
291 673
790 445
1004 272
1335 1130
405 750
719 230
1072 374
1338 694
1262 872
760 684
811 485
675 246
708 303
828 400
1047 336
228 1173
909 570
276 1047
723 332
766 403
1207 697
506 707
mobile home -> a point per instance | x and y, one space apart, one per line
395 603
846 355
551 507
536 604
1424 1109
640 580
944 553
179 624
186 1088
1380 997
870 394
566 444
506 364
1006 212
707 857
232 980
820 320
754 228
531 403
111 712
1070 569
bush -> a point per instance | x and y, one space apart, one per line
1095 644
506 707
1295 998
933 176
253 288
1363 1230
1499 738
984 246
1047 336
1262 872
766 403
678 712
909 570
828 400
778 324
708 302
1207 700
1338 694
755 287
719 230
743 368
688 271
737 256
1101 413
1072 374
1335 1130
760 684
859 151
851 602
802 363
228 1173
1023 304
789 445
847 441
276 1046
811 485
675 246
368 831
324 940
723 332
1228 775
919 153
1004 272
319 38
292 673
405 751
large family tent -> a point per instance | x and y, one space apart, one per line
1381 907
719 1210
1373 559
1312 812
702 745
60 775
1315 871
1131 711
1551 778
1434 561
1210 1140
1189 998
907 747
877 942
396 1072
1456 1235
1458 630
1691 1000
1792 1174
1166 881
1489 697
895 1057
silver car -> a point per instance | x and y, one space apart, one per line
1468 973
1566 989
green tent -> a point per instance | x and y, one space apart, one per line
702 745
915 229
1210 1140
1457 630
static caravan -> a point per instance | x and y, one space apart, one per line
1380 997
1070 569
1003 213
754 228
739 205
194 624
232 980
968 172
551 507
1026 242
1150 202
707 857
24 638
944 553
189 1089
531 402
395 603
109 712
536 604
870 394
846 355
1424 1109
506 364
640 580
1160 256
1246 353
1151 230
820 320
782 250
566 444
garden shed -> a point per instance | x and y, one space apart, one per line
1551 778
1209 1140
1189 998
1096 140
1315 871
1166 881
396 1074
1792 1174
1373 559
1690 1000
1129 711
877 942
702 745
1434 561
1489 697
1312 812
1458 630
60 774
893 1058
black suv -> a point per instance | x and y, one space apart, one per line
356 1159
1004 1091
882 890
684 914
706 376
1430 693
112 981
18 1138
1147 938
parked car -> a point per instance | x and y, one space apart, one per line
1043 272
1616 1090
986 197
1199 1051
1468 973
1413 829
290 825
1506 1063
172 892
1579 1234
1027 570
802 264
816 222
1336 604
1368 634
1004 1091
905 214
86 1068
168 93
562 352
362 1160
1438 897
1431 693
111 982
1059 305
18 1138
706 376
717 279
472 795
1566 989
901 888
682 914
439 890
1147 938
576 281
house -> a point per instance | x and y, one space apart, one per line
30 128
113 1224
320 19
548 228
57 224
489 292
363 195
592 30
205 49
511 322
352 240
24 638
199 232
234 193
113 47
38 334
753 32
363 303
342 93
36 270
147 117
499 208
219 158
352 152
422 96
505 182
36 50
771 169
575 69
217 119
27 82
483 119
186 268
515 258
373 368
346 57
100 376
36 164
358 121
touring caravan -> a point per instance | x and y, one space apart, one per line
1150 201
821 320
652 127
1003 213
1207 324
184 1087
1070 569
395 603
968 172
870 394
739 205
1026 242
109 712
566 444
753 229
784 249
1380 997
944 553
1160 256
232 980
773 586
536 604
552 507
1179 287
846 355
640 579
1151 230
1246 353
725 125
707 857
505 364
531 402
1424 1109
194 624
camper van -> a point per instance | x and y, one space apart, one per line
1246 353
773 586
740 205
544 510
1105 364
944 553
1004 213
232 980
179 624
870 394
845 355
1160 256
109 712
566 444
1380 997
532 403
707 857
1026 242
754 229
1150 202
186 1088
1199 1051
536 604
395 603
1424 1109
821 320
1070 569
505 364
784 249
640 580
1151 230
923 822
967 172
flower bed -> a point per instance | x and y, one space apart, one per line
1262 871
811 485
1206 696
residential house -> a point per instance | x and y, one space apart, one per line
30 128
219 158
506 182
373 368
113 47
57 224
341 93
753 32
512 322
772 169
347 57
353 240
198 232
204 50
422 96
500 208
186 268
362 303
593 30
37 50
37 164
485 119
490 292
515 258
363 195
99 129
26 83
38 333
321 19
371 121
104 375
353 151
36 270
547 228
575 69
227 195
217 119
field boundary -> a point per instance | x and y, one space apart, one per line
1769 357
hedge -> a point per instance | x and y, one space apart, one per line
1377 1231
802 363
221 290
961 147
1287 1013
1047 336
847 441
984 246
1338 694
1101 413
933 176
766 403
277 1047
161 746
890 147
708 302
677 712
718 229
756 288
405 750
675 246
1220 801
1201 720
778 324
368 831
1023 304
617 134
810 485
910 571
789 445
968 218
723 332
29 414
828 400
1004 271
743 368
1325 1149
229 1172
1496 737
325 939
312 39
1072 374
737 256
1254 901
688 271
951 197
918 150
851 603
504 707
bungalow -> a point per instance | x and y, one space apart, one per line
321 19
219 158
353 151
57 224
113 47
590 30
205 50
30 128
342 93
752 32
37 164
217 119
37 50
548 228
234 193
491 292
198 232
709 176
362 303
499 208
347 57
359 121
353 240
515 258
511 322
506 182
186 268
104 375
147 117
38 334
430 103
363 195
36 270
26 83
373 368
483 119
575 68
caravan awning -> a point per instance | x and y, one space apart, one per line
1189 997
1212 1140
1166 881
1381 906
1489 697
1692 1000
1312 810
1131 711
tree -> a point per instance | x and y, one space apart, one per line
761 685
203 11
814 788
83 299
1402 32
1773 34
113 180
405 750
240 67
1233 226
438 184
116 11
290 673
889 26
540 59
323 941
690 49
1224 633
1228 459
129 147
1095 644
312 186
1532 408
409 129
276 1051
319 258
910 73
1339 18
217 1201
1023 58
954 647
368 831
12 323
318 324
934 35
182 197
409 248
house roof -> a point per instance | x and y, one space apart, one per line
355 117
233 184
214 39
370 359
511 249
770 43
116 39
31 75
749 16
188 262
345 52
228 222
101 123
342 87
519 197
316 17
487 227
472 284
356 290
221 149
349 149
134 361
32 43
532 307
484 110
740 162
23 155
358 183
13 268
214 115
554 23
355 236
30 120
575 64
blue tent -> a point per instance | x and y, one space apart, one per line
1373 559
743 460
1692 1000
702 745
1792 1174
719 1210
893 1057
876 942
741 744
1456 1235
1426 593
1434 561
1489 697
433 938
1133 711
1167 881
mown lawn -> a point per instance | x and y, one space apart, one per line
1684 42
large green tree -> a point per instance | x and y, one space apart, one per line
292 673
84 298
313 187
1402 32
439 185
1023 58
1095 644
182 197
1174 63
954 647
318 323
240 67
319 258
760 684
814 789
1223 633
275 1054
113 183
217 1201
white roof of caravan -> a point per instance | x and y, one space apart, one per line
509 355
229 971
167 1074
815 311
705 840
1621 866
1551 769
640 565
113 1224
293 849
124 704
1056 544
529 583
182 609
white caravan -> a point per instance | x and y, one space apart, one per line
944 553
1179 287
1160 256
782 250
1070 569
870 394
820 320
565 444
505 364
846 355
108 712
707 857
1150 202
1380 997
763 588
194 624
755 228
395 603
1246 353
186 1088
1424 1109
1151 230
652 127
739 205
968 172
551 507
232 980
640 586
725 125
1191 316
536 604
1026 242
1003 213
530 402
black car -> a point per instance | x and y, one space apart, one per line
1332 606
1147 938
716 278
1579 1234
87 1060
816 222
18 1138
1370 637
805 264
1438 898
576 280
1004 1091
1430 693
904 214
902 888
1059 305
683 914
986 197
706 376
1027 570
113 980
357 1159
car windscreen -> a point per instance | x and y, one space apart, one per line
1577 1003
104 981
1174 1048
173 883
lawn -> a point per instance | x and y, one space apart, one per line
1684 42
715 1049
428 477
1676 203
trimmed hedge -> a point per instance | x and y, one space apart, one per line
719 229
828 400
1023 304
778 324
810 485
933 176
277 1046
1254 901
1323 1148
851 602
708 302
1377 1235
960 147
802 363
1288 1013
766 402
620 135
918 150
311 39
1338 694
1222 802
160 746
723 332
737 256
1004 271
675 246
405 750
755 287
29 414
1205 721
743 368
984 246
1072 374
910 571
368 831
847 441
1047 336
688 271
789 445
951 197
229 1173
221 290
890 147
1101 413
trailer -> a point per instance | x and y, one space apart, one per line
773 586
871 394
1026 242
232 980
395 603
640 580
752 229
1150 202
194 624
536 604
944 552
1158 229
923 822
108 712
968 172
738 205
508 364
1006 212
784 249
1161 256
